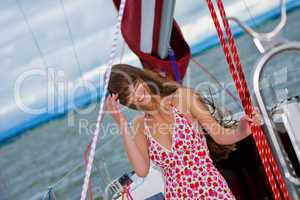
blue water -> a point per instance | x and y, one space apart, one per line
36 160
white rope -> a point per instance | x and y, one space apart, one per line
99 119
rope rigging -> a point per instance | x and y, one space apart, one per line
50 194
249 12
70 34
126 192
212 77
20 7
35 40
61 179
237 73
71 37
100 116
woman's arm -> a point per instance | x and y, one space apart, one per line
219 134
135 144
137 149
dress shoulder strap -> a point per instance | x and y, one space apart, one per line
145 125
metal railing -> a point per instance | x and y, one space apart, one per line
270 44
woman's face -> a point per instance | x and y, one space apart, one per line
139 95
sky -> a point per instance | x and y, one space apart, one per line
38 35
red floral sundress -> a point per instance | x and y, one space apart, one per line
187 168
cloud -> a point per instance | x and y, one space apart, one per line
92 23
199 25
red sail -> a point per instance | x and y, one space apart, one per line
132 28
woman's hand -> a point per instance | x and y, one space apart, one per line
246 122
135 145
112 105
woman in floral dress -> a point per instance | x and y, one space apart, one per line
171 132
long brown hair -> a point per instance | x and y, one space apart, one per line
123 75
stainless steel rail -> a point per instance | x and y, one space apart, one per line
267 35
292 182
270 44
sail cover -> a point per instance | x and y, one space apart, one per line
142 26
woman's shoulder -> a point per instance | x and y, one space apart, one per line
185 89
139 119
181 98
183 94
138 124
